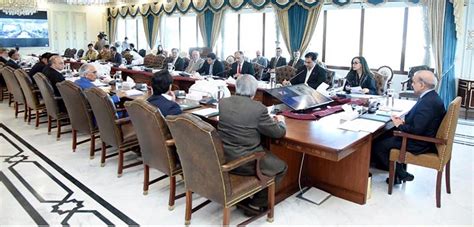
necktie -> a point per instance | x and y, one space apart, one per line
238 69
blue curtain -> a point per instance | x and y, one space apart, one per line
447 90
151 20
297 17
209 20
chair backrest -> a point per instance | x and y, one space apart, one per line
80 53
26 85
380 81
48 94
330 77
201 155
412 72
128 57
152 133
77 106
142 52
12 84
284 73
73 52
2 64
258 70
387 73
446 131
104 112
155 61
66 52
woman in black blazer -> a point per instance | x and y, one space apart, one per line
360 75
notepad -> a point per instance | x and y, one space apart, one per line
360 124
207 112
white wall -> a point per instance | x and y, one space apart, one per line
70 26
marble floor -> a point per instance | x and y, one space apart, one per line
42 182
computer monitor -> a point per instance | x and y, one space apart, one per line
299 97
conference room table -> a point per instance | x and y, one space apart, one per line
335 160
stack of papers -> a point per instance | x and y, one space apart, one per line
207 112
360 124
133 92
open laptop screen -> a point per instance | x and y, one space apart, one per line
299 97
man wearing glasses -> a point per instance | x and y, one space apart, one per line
88 74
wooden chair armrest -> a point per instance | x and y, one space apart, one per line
405 81
170 142
405 136
122 121
421 138
242 160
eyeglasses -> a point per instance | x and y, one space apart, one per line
355 63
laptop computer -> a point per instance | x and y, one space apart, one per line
300 97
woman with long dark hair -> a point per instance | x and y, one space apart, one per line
360 75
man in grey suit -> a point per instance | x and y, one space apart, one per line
240 132
195 63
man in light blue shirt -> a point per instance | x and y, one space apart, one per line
88 74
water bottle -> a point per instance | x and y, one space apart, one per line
390 98
118 80
272 80
220 93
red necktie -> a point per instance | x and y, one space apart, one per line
238 69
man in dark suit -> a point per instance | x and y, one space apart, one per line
311 74
296 62
240 66
39 66
14 59
212 66
423 119
116 57
161 84
176 60
278 60
53 72
240 132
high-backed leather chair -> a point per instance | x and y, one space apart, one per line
80 114
128 57
156 144
142 52
407 89
4 92
66 52
330 77
32 98
205 171
387 72
154 61
51 102
118 133
436 160
258 70
80 53
284 73
15 90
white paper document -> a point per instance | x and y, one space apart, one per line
207 112
360 124
356 90
133 92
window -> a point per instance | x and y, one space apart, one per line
170 32
251 33
229 34
343 35
383 36
141 42
120 29
270 35
188 32
415 49
316 44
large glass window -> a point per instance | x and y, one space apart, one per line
131 25
141 42
383 36
170 32
229 34
270 35
188 32
343 35
251 33
415 49
316 44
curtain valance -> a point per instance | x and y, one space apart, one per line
199 6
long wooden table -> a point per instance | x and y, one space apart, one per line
336 160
